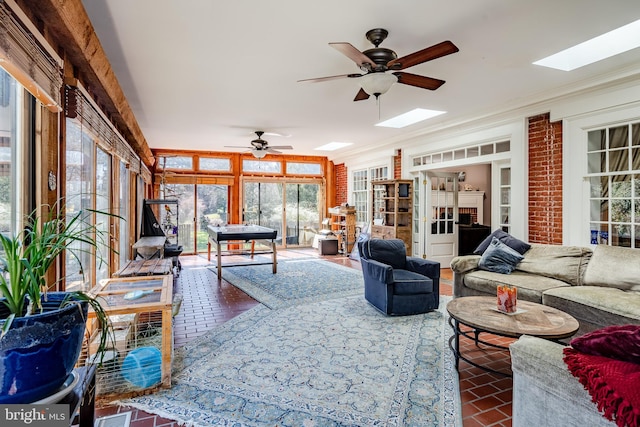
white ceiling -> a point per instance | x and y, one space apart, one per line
202 74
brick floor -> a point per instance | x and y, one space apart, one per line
486 397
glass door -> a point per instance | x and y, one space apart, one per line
263 205
185 194
212 209
302 213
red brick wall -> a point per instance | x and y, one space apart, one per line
341 184
397 165
545 180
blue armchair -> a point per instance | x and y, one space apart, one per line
395 283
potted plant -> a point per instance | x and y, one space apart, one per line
42 332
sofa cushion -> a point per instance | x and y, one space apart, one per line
530 287
620 342
595 306
410 283
615 267
506 238
566 263
499 258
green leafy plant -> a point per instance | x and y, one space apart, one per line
26 258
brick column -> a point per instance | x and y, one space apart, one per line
397 165
341 184
545 180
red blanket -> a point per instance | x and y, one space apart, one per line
614 385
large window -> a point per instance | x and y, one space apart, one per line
613 156
10 154
80 189
360 194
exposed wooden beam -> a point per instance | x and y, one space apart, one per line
67 25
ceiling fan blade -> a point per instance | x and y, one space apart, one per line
280 147
324 79
271 150
418 81
424 55
354 54
237 146
361 95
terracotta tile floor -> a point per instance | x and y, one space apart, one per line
486 397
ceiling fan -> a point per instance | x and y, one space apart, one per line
260 148
375 63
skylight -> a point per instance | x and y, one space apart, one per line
409 118
598 48
332 146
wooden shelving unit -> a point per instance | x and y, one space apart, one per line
343 224
391 210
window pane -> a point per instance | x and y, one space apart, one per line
503 147
214 164
635 134
304 168
599 210
447 156
621 210
261 166
619 137
10 193
103 197
596 140
472 152
599 186
505 176
596 162
621 186
621 235
176 162
618 160
486 149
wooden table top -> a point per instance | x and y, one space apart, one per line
531 319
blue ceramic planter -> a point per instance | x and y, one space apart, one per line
40 351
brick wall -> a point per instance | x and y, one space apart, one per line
341 184
397 165
545 180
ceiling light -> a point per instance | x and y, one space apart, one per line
409 118
333 146
598 48
259 154
377 83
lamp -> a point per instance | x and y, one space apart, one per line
259 154
377 83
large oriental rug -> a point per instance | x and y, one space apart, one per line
336 362
296 282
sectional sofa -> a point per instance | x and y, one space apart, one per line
599 287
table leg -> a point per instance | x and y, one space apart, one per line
454 341
219 258
209 250
274 257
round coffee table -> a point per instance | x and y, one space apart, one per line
481 315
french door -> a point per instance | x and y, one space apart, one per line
440 225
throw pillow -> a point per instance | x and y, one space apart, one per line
620 342
506 238
499 258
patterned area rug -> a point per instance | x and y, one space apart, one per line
296 282
337 362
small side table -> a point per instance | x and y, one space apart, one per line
82 398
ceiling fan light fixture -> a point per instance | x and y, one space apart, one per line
377 83
259 154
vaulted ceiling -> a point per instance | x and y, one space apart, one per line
204 74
